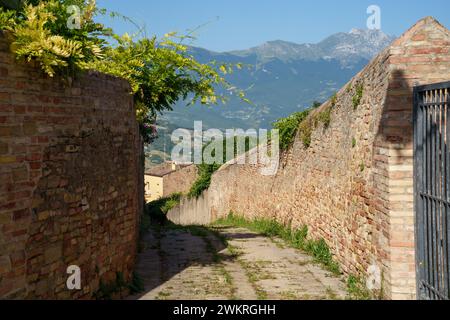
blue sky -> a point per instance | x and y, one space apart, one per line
240 24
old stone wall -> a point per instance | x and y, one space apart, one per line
354 185
334 187
421 56
70 181
192 211
179 181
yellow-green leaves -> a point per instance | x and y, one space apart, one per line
7 19
160 72
42 35
223 68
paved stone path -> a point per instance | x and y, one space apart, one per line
197 265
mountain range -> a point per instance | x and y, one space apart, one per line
280 78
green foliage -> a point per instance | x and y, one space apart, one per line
205 172
302 123
40 33
354 142
362 166
357 290
108 291
321 252
136 285
7 19
288 128
296 123
306 129
17 4
161 72
157 210
357 97
170 203
316 104
325 117
334 100
295 238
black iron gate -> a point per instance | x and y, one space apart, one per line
432 189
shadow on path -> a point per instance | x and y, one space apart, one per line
227 263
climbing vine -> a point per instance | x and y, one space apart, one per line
357 97
303 123
290 126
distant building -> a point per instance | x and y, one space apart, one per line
168 178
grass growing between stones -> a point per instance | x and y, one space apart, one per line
209 235
357 290
357 97
253 278
295 238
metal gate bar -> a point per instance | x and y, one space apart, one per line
432 189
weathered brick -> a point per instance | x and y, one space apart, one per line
21 214
5 264
5 97
7 159
41 118
5 218
3 72
30 128
4 149
52 254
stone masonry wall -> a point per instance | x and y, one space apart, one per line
354 185
192 211
334 187
179 181
70 168
421 56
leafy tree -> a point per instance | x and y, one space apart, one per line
160 72
11 4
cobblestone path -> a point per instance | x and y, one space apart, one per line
196 264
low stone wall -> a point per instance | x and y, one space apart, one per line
70 181
194 211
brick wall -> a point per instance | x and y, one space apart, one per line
336 187
179 181
354 185
70 180
420 56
